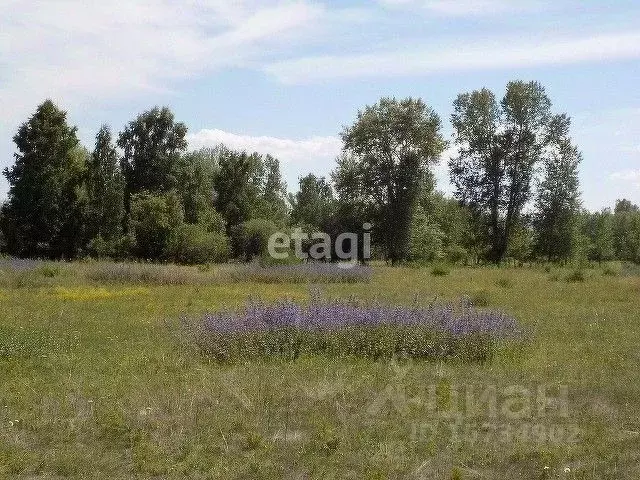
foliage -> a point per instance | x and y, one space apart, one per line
194 176
248 186
440 271
152 144
105 192
598 230
154 220
313 203
576 275
558 199
389 150
250 239
44 214
191 244
425 244
499 146
626 231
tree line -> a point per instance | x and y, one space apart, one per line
142 194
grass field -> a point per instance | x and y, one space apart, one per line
99 381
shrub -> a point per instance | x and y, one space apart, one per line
457 254
576 276
251 238
504 283
481 299
192 244
341 328
153 221
49 270
610 271
439 271
425 241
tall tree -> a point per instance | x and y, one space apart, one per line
626 231
152 144
44 213
155 219
558 197
598 229
273 191
237 186
499 146
194 175
105 190
248 186
313 203
390 146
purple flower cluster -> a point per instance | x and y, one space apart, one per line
349 328
311 272
18 264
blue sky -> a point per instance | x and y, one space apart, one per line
284 77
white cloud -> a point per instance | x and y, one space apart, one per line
298 157
463 7
467 56
285 149
74 51
627 176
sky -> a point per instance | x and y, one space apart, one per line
285 77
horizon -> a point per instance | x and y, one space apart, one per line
271 78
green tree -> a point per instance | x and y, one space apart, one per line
194 174
250 239
272 202
105 191
558 197
313 203
598 229
154 220
248 186
626 231
44 214
426 241
152 145
192 244
453 220
237 186
499 146
388 153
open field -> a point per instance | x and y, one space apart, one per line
98 380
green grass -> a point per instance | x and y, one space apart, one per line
98 382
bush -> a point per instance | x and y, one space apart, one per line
153 220
192 244
49 270
481 299
610 271
576 276
457 254
338 329
504 283
251 238
439 271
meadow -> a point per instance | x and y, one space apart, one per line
100 379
